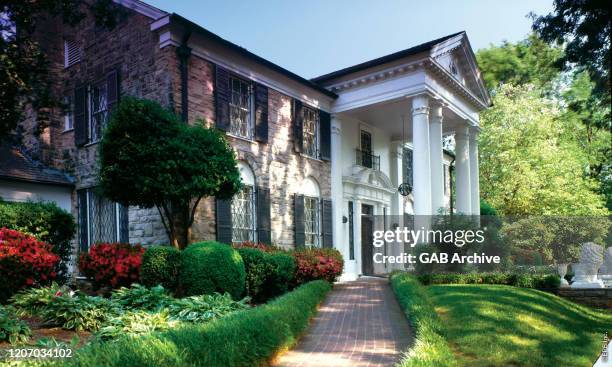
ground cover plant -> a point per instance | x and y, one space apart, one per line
540 281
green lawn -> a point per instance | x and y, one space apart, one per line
496 325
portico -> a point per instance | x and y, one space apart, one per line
389 124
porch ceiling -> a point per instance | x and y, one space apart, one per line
388 117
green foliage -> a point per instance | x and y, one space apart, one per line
78 312
32 301
149 158
527 166
528 61
545 281
209 267
205 307
268 274
134 323
138 297
12 329
486 209
496 325
45 221
161 266
430 349
246 338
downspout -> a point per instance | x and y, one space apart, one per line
451 169
183 52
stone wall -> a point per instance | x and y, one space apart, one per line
594 297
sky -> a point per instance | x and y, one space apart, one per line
315 37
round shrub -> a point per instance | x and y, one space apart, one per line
208 267
256 268
161 265
283 272
112 265
24 262
317 263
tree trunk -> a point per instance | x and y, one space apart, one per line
176 219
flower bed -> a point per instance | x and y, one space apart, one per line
112 264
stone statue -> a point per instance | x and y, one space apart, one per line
605 272
585 272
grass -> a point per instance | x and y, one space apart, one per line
497 325
245 338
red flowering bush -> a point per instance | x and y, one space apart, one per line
256 245
112 264
24 261
317 263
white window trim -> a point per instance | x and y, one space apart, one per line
250 110
317 134
253 228
318 234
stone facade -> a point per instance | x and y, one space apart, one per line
148 71
595 297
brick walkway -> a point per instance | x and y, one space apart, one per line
360 324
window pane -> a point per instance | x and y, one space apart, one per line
243 215
311 222
240 107
310 132
102 219
99 115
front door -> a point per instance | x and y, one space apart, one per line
367 229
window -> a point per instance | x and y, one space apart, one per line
351 229
72 53
100 219
446 170
241 103
244 224
98 108
311 132
312 220
69 113
407 163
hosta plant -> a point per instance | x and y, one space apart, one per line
136 323
12 329
138 297
206 307
31 302
78 312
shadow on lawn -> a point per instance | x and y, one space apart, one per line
515 326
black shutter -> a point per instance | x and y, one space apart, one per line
263 215
112 90
82 220
124 222
298 218
327 223
261 113
325 127
224 221
81 127
298 133
222 98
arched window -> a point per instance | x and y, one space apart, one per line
312 213
244 227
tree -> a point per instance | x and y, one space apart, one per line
528 61
529 166
23 64
150 158
583 26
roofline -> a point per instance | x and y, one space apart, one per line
383 60
46 182
248 54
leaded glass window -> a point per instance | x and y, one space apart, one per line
105 220
311 132
312 222
98 108
240 108
243 215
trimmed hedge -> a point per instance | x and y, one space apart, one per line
161 265
430 347
209 267
538 281
268 274
45 221
245 338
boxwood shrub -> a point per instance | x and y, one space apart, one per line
45 221
268 274
245 338
208 267
161 266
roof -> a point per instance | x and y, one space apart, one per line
248 54
15 165
384 59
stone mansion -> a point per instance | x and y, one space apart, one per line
318 158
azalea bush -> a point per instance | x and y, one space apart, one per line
112 264
24 262
317 263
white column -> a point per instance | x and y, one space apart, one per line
474 172
420 159
462 164
435 156
357 234
336 187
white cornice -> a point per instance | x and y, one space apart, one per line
142 8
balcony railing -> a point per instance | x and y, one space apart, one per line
367 159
